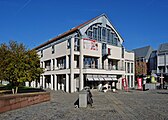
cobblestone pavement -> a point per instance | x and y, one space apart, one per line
133 105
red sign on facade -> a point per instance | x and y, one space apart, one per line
139 83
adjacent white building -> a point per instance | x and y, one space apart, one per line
90 54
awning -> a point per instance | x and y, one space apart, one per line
90 79
96 79
101 79
108 78
114 79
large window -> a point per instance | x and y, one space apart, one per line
76 44
53 49
61 62
95 33
101 33
69 43
128 67
90 62
108 36
90 34
41 53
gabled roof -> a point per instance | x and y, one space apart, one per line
67 33
73 30
143 52
163 48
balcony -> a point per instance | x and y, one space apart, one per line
105 67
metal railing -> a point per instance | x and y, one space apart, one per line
106 67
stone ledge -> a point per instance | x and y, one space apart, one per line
15 101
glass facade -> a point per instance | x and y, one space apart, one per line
103 34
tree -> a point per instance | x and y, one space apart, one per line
18 65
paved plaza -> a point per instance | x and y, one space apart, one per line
133 105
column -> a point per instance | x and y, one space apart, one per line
106 64
43 81
100 63
67 83
67 61
81 81
55 82
72 65
51 82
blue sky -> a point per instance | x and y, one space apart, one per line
33 22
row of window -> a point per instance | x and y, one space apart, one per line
103 34
129 67
130 79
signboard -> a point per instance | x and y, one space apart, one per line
125 84
139 80
90 44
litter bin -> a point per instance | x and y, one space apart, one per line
85 98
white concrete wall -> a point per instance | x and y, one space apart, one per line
129 55
116 52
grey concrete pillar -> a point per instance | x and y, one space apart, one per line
51 82
67 61
67 83
51 64
81 81
43 81
72 65
55 82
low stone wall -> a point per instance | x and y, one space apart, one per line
15 101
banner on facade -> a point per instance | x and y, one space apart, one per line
125 84
139 80
90 44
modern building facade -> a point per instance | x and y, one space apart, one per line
162 64
91 54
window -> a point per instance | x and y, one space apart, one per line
90 34
125 67
122 52
132 68
90 62
99 33
69 43
95 33
103 33
53 49
104 46
41 53
76 44
108 36
132 81
61 62
128 78
128 67
53 60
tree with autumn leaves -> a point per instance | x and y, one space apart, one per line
18 65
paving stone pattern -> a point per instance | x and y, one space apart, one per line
133 105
